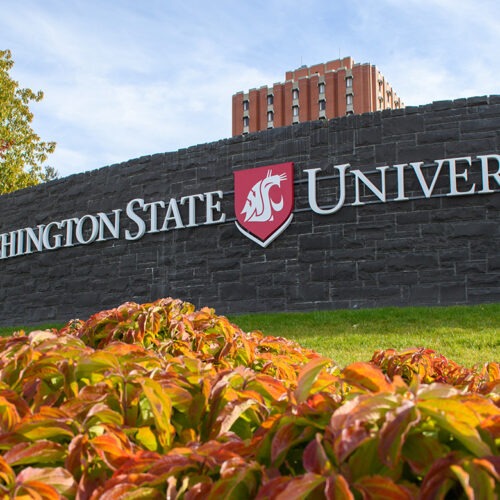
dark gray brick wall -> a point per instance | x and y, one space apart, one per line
437 251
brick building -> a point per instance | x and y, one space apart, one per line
322 91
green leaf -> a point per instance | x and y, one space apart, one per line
37 429
236 411
421 450
102 414
307 376
365 461
161 408
238 483
459 419
98 362
146 437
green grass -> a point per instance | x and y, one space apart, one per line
468 335
9 330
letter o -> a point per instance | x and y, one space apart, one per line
94 232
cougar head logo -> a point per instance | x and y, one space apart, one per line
263 201
259 206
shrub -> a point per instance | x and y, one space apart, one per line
163 401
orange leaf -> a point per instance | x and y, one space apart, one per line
368 377
58 478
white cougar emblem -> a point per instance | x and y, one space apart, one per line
259 207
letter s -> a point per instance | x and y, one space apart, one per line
141 225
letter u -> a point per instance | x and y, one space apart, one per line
311 189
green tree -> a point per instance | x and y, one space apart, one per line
22 152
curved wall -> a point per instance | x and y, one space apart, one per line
423 231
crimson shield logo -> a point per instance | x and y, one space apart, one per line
263 201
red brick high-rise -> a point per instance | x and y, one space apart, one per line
322 91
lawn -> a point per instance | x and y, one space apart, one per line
468 335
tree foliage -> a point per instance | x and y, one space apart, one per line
22 152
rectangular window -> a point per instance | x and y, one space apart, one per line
295 111
321 88
322 105
270 100
245 105
295 93
246 121
348 98
348 82
270 116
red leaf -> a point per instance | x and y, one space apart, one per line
300 487
40 452
394 432
314 457
439 479
337 488
382 488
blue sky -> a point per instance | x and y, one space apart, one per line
124 78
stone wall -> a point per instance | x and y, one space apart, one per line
439 250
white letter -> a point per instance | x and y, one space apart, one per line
32 238
453 175
4 243
20 241
172 214
69 223
46 236
401 182
93 234
417 167
211 206
154 214
141 226
485 172
311 190
114 229
359 176
192 207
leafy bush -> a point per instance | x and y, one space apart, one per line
162 401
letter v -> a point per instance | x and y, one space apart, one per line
417 167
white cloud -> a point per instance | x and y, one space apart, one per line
126 79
